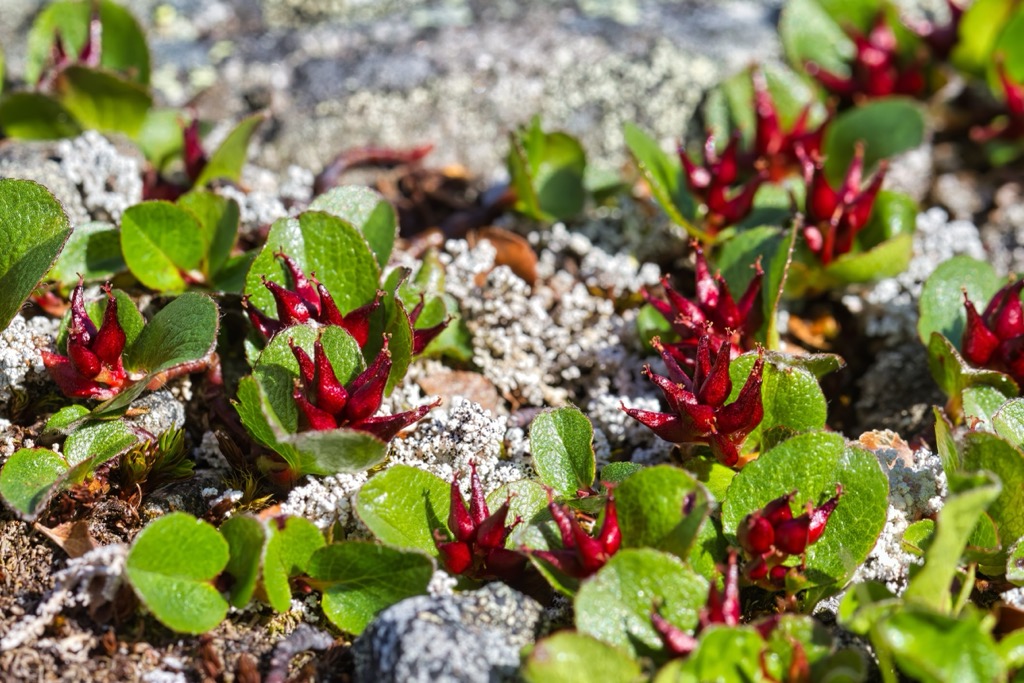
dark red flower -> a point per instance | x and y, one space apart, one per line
478 550
995 338
327 404
714 313
877 69
774 148
697 409
712 184
93 367
581 554
769 536
1011 125
88 56
834 216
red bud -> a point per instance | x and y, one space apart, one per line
756 534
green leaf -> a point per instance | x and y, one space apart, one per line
812 464
650 506
942 299
1008 421
547 172
35 116
953 375
568 657
918 537
93 250
124 43
161 242
65 417
403 505
368 211
615 604
561 442
172 564
980 28
945 443
246 537
98 441
809 34
983 451
724 654
28 478
103 101
161 137
664 175
290 545
318 242
217 218
33 229
886 126
932 647
618 472
968 500
226 161
1015 564
334 451
982 402
360 579
735 259
399 327
885 259
527 499
790 395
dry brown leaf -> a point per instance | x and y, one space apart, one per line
879 439
472 385
513 250
71 537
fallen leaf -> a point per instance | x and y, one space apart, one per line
513 251
71 537
472 385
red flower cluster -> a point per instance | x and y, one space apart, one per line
720 608
712 184
93 366
698 413
478 550
776 149
327 404
714 314
581 554
771 535
1010 126
88 56
835 215
995 338
877 69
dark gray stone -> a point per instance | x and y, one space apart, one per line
465 637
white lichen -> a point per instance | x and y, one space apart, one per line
20 360
110 182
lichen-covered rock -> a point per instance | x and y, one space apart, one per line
158 411
109 179
465 638
20 360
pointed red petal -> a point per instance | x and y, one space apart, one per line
90 52
331 396
455 556
610 536
385 427
422 337
301 284
307 369
820 515
668 427
678 642
697 177
266 326
81 324
717 385
859 211
491 532
316 419
565 561
194 156
366 392
778 509
978 341
71 383
477 502
822 200
110 338
1009 320
357 322
562 516
742 415
291 309
459 521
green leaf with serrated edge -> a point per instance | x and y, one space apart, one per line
812 464
710 549
650 506
1008 421
367 210
172 564
981 403
918 537
790 396
333 451
403 505
103 101
360 579
93 250
942 296
561 442
615 604
664 175
28 477
715 476
1015 564
934 647
161 242
983 451
980 27
246 537
231 277
321 243
35 116
123 40
945 443
218 219
290 545
886 127
65 417
969 497
33 229
227 160
161 137
99 441
952 373
249 406
618 472
128 317
809 34
725 654
568 657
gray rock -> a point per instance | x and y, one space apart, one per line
465 637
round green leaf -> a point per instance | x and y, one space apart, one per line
360 579
103 101
561 442
171 566
323 243
160 242
218 223
983 451
1008 421
160 137
1015 564
333 451
568 657
183 331
547 172
812 464
404 505
615 604
33 229
367 210
886 126
246 537
650 509
528 500
99 441
28 477
942 298
93 250
288 551
36 116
